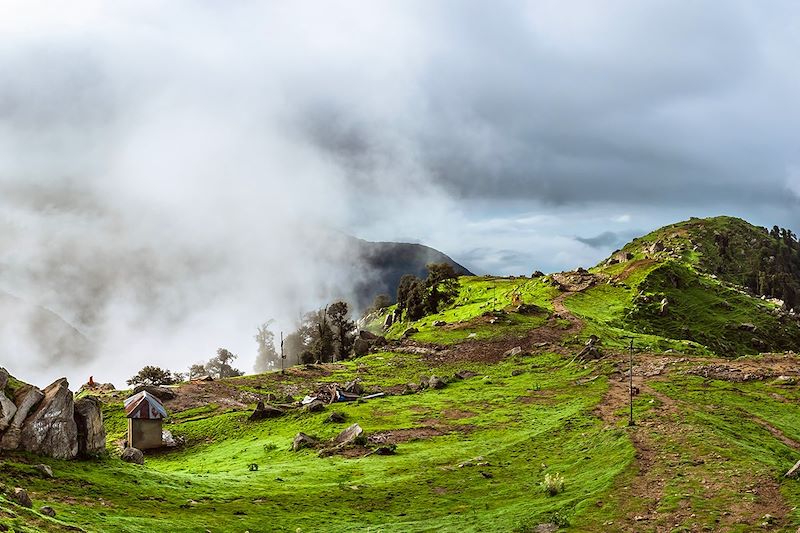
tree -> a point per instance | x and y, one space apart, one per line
441 286
294 346
267 355
220 366
342 328
307 357
381 301
416 300
322 347
404 288
153 375
197 370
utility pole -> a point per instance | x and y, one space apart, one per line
283 356
630 388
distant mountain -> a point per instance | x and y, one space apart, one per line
382 264
46 333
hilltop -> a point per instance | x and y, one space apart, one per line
381 265
513 385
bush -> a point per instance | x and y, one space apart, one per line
553 483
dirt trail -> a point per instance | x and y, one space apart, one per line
777 433
575 323
656 438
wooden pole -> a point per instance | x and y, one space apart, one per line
282 355
630 383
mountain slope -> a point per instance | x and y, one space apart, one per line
519 400
692 281
767 262
36 333
380 265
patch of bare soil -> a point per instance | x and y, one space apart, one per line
551 335
743 370
488 352
227 394
457 414
193 395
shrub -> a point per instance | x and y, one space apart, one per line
553 483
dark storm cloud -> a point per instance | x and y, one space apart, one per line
626 102
165 167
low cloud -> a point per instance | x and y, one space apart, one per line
171 172
604 240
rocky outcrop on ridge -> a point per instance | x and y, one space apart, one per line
49 422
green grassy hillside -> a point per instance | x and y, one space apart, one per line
716 417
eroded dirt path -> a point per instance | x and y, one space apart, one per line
669 453
575 323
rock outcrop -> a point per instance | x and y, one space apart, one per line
7 411
51 430
49 422
91 431
26 399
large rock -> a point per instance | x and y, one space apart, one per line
367 335
436 382
169 440
51 430
409 332
7 411
361 347
793 472
132 455
303 441
315 407
3 378
591 351
513 352
263 411
91 431
348 436
45 470
21 497
27 398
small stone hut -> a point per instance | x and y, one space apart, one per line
145 415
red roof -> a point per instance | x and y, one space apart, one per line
144 406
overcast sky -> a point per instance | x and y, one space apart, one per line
164 166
